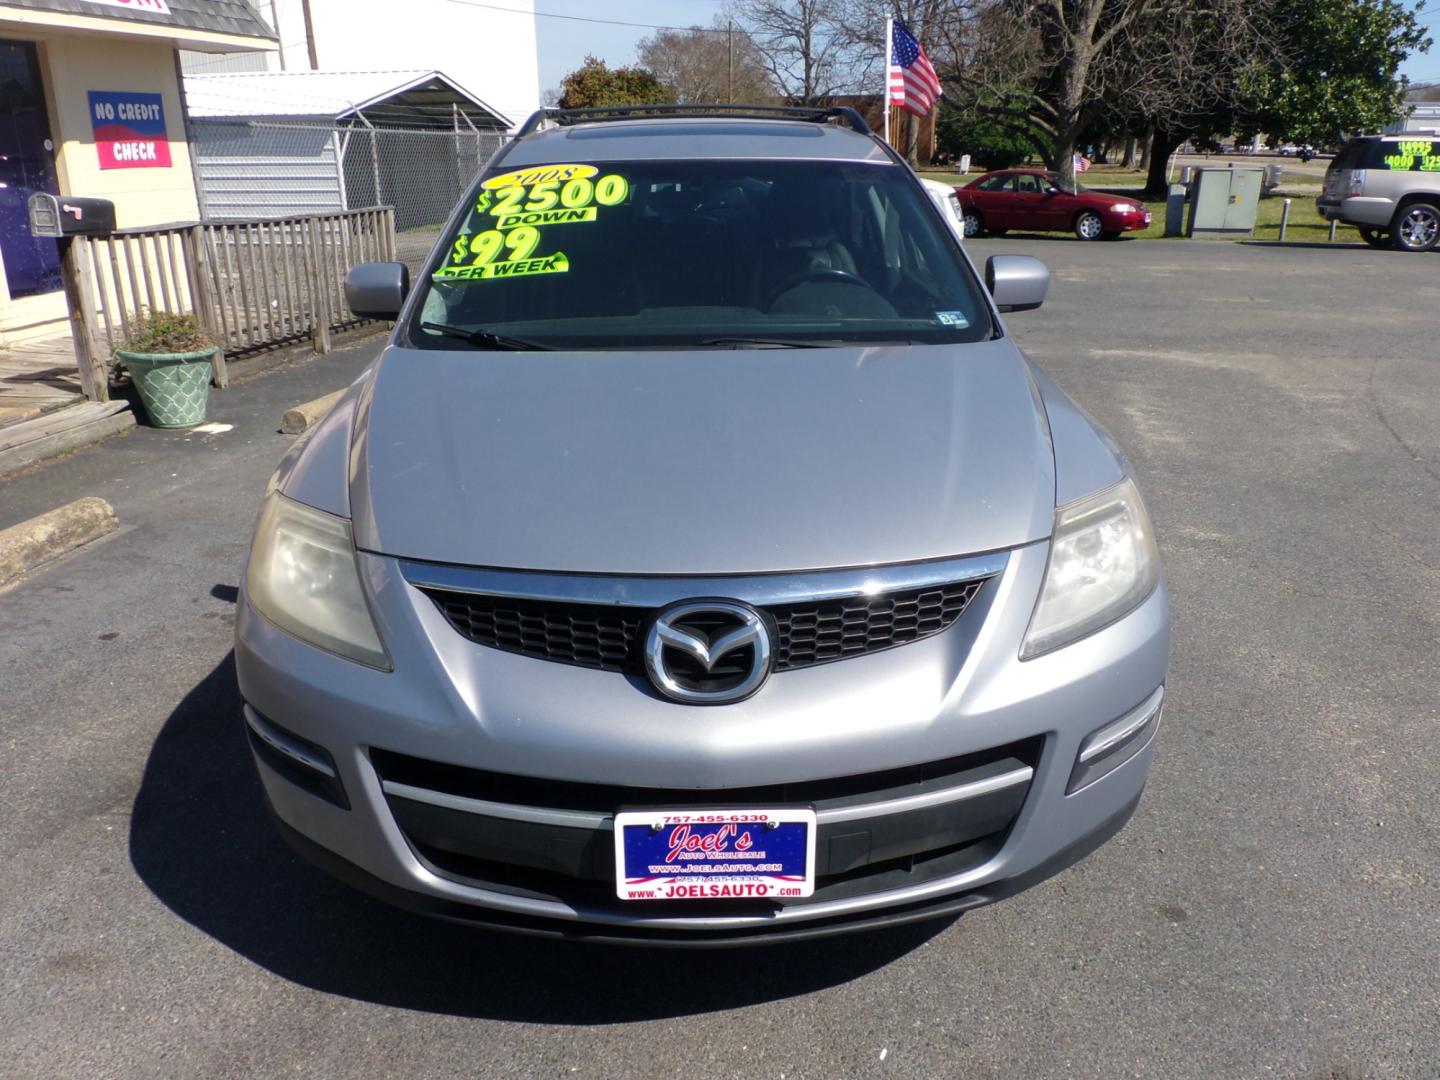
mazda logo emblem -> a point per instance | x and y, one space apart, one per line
708 652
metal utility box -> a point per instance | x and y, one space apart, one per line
1223 203
67 215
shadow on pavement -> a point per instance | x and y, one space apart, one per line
201 841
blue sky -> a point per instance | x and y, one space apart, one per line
565 42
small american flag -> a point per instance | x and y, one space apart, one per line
1082 163
914 86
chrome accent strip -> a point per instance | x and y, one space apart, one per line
1111 736
281 744
904 805
581 819
655 592
536 815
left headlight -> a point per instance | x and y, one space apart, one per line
1123 208
1103 564
303 577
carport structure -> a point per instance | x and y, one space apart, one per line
314 142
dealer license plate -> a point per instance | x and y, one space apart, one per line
714 854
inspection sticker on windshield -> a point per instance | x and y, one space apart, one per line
715 854
952 318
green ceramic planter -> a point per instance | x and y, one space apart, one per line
175 387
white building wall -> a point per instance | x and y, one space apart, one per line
491 53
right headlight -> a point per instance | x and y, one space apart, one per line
303 577
1103 564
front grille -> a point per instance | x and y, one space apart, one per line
584 634
611 637
576 865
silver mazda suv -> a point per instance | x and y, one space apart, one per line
701 562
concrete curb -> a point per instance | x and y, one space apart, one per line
32 543
301 418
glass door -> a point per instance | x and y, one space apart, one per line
26 166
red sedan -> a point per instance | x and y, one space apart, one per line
1034 199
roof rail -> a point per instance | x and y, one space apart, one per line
818 114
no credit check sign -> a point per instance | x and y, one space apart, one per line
129 130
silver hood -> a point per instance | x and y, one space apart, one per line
701 462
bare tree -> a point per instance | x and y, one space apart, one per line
807 46
1054 69
719 63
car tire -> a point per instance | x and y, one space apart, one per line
1376 238
1416 227
973 225
1088 226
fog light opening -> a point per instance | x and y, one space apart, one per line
1107 748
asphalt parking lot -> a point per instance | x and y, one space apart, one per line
1272 910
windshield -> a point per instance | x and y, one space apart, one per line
700 254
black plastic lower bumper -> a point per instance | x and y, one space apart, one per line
943 907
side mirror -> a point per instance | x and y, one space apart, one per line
1016 282
377 290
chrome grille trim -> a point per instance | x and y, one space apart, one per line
580 819
536 815
972 790
760 590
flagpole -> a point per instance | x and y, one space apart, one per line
885 89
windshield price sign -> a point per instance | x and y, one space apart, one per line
513 208
715 854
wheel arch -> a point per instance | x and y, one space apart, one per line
1411 197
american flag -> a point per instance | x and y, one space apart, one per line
1081 163
914 86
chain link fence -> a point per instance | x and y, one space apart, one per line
250 169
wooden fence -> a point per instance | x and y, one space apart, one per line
252 284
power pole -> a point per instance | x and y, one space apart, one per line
310 36
730 49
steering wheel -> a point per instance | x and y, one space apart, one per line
837 277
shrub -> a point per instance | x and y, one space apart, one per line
164 332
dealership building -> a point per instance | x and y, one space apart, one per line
90 105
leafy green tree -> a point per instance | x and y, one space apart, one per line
1337 69
991 143
595 84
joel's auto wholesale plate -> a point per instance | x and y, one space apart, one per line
714 854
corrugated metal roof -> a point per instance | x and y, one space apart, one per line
235 17
332 94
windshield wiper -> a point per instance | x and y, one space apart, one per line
484 339
779 343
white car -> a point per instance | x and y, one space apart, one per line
949 203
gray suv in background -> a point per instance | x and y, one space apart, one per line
701 562
1388 186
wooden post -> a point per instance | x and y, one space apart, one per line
78 283
202 296
319 292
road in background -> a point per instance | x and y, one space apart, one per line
1273 909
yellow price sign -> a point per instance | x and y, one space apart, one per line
519 203
546 264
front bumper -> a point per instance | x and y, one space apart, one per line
959 699
1127 222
